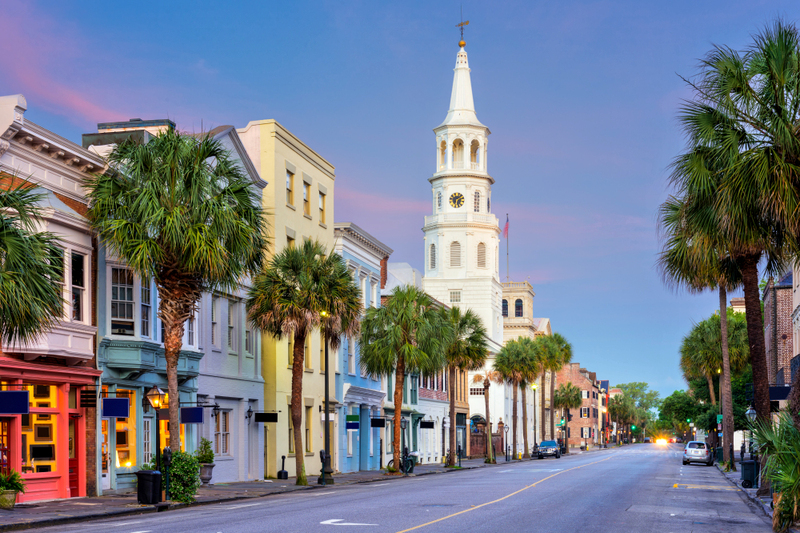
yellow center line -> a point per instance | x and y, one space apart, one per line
507 495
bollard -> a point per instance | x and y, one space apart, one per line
282 473
167 460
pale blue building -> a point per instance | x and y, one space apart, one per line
359 396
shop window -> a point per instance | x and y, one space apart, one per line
309 419
165 437
78 285
121 301
222 434
125 433
39 429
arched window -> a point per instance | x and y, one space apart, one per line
518 307
455 254
442 155
505 307
458 154
488 205
439 201
474 152
477 206
433 256
481 255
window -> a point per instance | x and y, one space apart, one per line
477 206
584 412
585 394
306 199
351 356
322 208
121 301
232 325
586 433
364 292
474 391
455 297
309 449
146 308
518 308
78 285
481 255
147 447
433 257
290 348
190 323
488 205
307 351
439 201
214 320
125 446
289 188
455 254
289 242
321 354
291 430
373 294
414 389
222 434
389 437
248 340
505 307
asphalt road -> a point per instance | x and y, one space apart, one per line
637 488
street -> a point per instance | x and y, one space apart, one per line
635 488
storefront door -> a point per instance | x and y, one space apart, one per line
5 448
74 446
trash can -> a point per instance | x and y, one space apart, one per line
148 491
749 473
719 454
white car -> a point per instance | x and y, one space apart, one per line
697 452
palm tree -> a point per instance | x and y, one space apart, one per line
563 357
750 101
303 289
700 356
487 378
567 396
529 370
467 350
547 358
509 363
178 210
30 264
406 335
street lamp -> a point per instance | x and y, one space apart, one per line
506 428
534 387
751 416
327 472
158 399
403 426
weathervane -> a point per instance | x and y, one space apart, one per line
461 27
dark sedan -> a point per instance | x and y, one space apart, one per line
549 448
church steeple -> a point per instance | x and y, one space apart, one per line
462 107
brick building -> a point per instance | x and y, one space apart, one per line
777 298
584 428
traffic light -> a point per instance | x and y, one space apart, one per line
688 420
633 428
570 417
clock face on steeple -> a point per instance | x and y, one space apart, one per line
456 199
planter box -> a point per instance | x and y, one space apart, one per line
7 499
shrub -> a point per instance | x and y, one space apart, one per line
204 454
780 443
184 477
12 481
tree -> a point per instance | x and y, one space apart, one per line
466 350
641 395
511 362
180 211
302 289
563 357
405 335
567 396
750 102
30 264
529 370
487 377
679 407
547 358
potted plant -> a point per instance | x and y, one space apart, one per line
11 484
205 456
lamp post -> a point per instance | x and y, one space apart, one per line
534 387
158 399
327 472
506 428
403 425
751 416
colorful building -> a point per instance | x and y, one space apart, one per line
53 445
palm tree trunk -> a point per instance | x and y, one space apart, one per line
514 415
711 390
794 400
542 420
727 395
399 383
173 315
489 443
755 334
297 406
525 453
451 457
552 411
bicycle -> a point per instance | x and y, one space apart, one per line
409 464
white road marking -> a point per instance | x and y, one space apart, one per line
335 522
380 485
118 524
143 531
322 493
240 506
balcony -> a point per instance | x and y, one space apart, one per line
461 218
70 340
461 165
132 357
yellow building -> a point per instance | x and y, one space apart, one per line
298 199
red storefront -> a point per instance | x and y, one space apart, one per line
49 445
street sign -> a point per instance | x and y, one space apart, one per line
719 419
14 402
719 427
351 421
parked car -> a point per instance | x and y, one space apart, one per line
549 448
647 440
697 452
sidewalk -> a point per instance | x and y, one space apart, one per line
54 512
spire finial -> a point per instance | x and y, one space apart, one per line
462 43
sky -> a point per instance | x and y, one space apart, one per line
581 99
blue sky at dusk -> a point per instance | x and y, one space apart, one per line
581 99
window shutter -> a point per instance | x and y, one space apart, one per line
455 254
481 255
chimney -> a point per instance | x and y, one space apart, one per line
384 271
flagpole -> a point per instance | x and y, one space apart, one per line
506 232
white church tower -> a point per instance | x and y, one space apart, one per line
462 245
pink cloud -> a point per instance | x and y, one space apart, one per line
367 202
41 46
